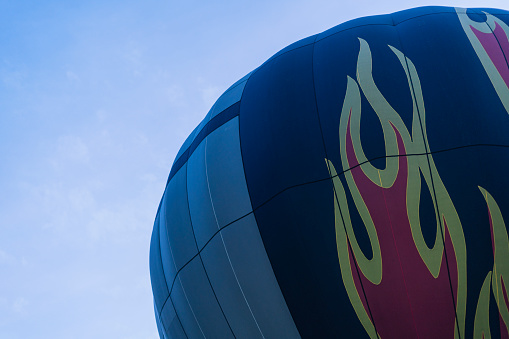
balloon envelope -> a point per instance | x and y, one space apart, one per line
356 185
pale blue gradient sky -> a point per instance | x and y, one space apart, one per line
96 98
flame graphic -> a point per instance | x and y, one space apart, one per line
497 278
491 44
406 289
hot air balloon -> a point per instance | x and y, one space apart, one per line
354 185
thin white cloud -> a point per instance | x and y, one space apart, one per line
73 148
73 77
20 305
6 258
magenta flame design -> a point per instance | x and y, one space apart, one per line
409 302
496 44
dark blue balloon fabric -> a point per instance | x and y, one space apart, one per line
354 185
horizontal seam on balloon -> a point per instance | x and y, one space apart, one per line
422 15
170 290
377 24
203 247
337 175
251 212
225 226
278 54
372 159
422 154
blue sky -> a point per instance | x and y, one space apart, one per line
96 98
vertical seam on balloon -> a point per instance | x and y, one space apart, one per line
190 307
196 243
164 277
178 318
166 283
180 323
244 89
240 287
442 230
171 251
399 257
222 239
250 202
498 42
166 330
505 58
161 253
177 314
431 176
161 324
173 259
194 256
208 184
333 188
389 217
351 250
240 141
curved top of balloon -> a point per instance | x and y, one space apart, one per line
355 184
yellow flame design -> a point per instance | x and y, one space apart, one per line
494 278
415 142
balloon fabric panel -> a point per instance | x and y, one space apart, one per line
353 185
